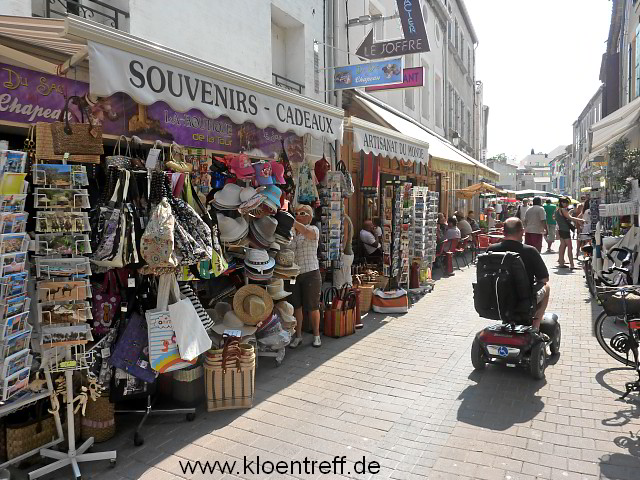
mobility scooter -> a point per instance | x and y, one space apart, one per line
503 292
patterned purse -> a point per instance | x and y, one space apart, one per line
130 350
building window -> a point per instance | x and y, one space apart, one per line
469 60
426 111
468 126
438 106
463 128
461 49
629 75
451 107
409 96
378 26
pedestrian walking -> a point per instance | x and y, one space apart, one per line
535 224
550 210
563 220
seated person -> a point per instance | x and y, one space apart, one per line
377 231
472 221
371 245
463 225
533 263
452 232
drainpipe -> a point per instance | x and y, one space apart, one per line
334 43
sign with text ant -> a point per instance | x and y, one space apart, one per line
414 35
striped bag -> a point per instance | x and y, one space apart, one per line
187 291
340 320
394 301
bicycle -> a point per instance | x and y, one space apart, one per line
617 328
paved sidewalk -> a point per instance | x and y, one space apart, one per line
403 393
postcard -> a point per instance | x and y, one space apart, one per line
62 244
13 284
15 343
14 305
15 383
49 290
12 161
62 222
54 198
13 263
16 362
15 324
60 175
67 313
12 183
60 335
13 242
13 222
13 203
62 267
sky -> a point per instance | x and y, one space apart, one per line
539 63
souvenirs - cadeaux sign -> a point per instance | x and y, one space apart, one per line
27 96
149 81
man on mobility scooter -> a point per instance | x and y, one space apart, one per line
512 286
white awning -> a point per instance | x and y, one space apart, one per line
444 156
149 73
372 138
615 126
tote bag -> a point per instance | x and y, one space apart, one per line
164 354
191 336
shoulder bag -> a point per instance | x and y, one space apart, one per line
118 160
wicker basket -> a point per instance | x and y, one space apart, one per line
366 295
188 386
44 147
29 435
99 420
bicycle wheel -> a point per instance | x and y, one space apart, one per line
606 328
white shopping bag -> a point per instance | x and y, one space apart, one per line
191 337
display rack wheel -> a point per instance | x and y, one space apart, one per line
191 417
137 439
555 343
477 356
112 463
538 361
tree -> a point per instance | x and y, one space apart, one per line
624 164
501 158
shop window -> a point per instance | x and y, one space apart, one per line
438 104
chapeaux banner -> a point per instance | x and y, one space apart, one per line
27 96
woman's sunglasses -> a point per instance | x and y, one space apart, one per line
302 214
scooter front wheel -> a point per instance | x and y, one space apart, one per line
477 355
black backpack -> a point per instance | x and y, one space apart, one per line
503 291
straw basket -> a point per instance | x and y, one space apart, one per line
366 295
29 436
44 147
99 420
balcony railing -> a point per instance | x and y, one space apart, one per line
280 81
95 10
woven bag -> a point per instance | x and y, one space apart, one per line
76 138
29 435
44 147
188 386
99 420
230 383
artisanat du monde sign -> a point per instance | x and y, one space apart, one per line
27 97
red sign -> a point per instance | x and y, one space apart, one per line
411 77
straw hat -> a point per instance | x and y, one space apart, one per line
276 290
285 260
252 304
286 311
232 322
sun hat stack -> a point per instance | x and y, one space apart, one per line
258 265
285 226
276 290
232 230
273 196
286 313
285 267
228 198
262 232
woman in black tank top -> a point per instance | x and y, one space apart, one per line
564 232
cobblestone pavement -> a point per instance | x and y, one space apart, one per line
402 392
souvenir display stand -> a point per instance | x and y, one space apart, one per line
425 218
331 221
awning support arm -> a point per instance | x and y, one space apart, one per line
76 58
29 60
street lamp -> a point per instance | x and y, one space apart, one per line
455 138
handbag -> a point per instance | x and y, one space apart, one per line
44 147
118 160
340 322
188 292
230 376
176 161
105 304
346 182
156 244
395 301
128 353
30 434
76 138
191 336
321 168
219 263
164 354
112 226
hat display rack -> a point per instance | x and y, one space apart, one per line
254 231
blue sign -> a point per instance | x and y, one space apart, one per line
383 72
503 351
